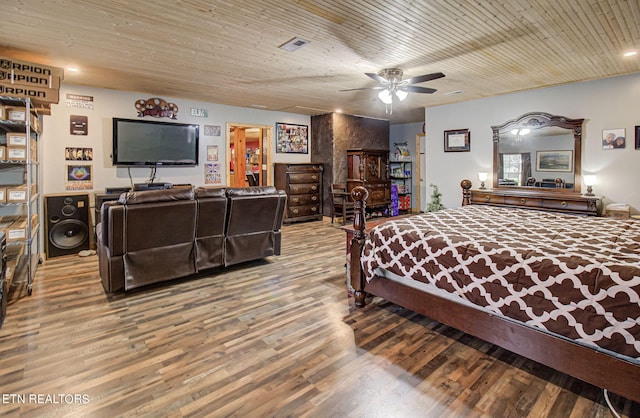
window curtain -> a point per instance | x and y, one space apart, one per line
525 159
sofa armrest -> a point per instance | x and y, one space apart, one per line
102 234
113 228
282 203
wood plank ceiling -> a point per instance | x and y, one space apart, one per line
227 51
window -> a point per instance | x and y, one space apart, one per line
512 165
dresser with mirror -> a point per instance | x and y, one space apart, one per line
537 164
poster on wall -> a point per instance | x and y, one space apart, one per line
292 138
78 154
80 101
212 153
212 173
79 125
212 130
79 177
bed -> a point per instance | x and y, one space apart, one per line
563 290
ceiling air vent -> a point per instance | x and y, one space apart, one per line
293 44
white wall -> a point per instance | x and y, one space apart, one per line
111 103
604 104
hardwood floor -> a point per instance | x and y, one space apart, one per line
274 338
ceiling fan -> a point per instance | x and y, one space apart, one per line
392 84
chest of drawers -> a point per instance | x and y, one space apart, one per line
303 184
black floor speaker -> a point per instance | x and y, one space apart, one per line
67 224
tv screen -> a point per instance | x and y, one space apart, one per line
146 142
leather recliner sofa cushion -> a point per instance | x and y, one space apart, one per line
253 226
160 227
212 218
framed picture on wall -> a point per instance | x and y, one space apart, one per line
457 140
613 138
637 129
292 138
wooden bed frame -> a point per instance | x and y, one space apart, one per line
596 367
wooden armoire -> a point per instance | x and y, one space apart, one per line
370 168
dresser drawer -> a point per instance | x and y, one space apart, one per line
307 210
479 197
566 204
304 177
531 202
303 199
303 188
303 168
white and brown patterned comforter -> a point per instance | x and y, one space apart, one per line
574 276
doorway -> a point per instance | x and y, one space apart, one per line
421 172
248 156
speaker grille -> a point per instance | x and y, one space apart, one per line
67 222
68 234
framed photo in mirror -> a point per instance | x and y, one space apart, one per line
561 161
457 140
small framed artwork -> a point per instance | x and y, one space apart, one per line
457 140
78 177
212 153
560 161
78 124
637 128
613 138
212 130
75 154
292 138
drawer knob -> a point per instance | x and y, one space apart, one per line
314 187
563 204
314 198
295 211
314 209
295 200
487 198
314 177
522 201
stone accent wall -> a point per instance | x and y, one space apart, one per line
333 134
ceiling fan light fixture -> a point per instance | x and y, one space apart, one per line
385 96
401 94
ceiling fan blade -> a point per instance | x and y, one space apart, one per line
418 89
423 78
365 88
377 77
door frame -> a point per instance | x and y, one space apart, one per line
420 159
266 150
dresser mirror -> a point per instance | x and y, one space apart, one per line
538 151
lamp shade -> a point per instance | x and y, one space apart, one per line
483 176
589 179
385 96
401 94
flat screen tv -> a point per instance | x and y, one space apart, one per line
151 143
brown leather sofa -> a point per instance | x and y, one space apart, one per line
152 236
